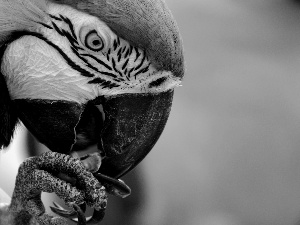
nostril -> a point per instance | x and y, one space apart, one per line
157 82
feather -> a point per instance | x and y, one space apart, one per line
18 15
147 24
8 117
15 15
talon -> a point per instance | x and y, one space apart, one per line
98 215
58 206
63 212
80 215
83 207
58 209
114 186
76 219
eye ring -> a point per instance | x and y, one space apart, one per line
93 41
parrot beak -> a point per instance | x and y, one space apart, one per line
132 125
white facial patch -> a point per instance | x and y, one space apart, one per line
76 57
35 70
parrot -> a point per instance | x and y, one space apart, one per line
79 73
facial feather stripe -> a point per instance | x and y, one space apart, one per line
73 40
115 68
115 65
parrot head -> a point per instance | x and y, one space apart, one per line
85 72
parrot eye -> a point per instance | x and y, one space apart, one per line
93 41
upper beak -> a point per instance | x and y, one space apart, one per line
133 123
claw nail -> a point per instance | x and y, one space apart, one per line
113 186
82 206
63 212
80 215
58 209
58 205
76 219
98 215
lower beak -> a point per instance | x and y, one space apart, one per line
133 123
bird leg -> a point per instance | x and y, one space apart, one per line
39 174
112 186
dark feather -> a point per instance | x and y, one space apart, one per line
8 117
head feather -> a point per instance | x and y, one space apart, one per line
18 15
147 24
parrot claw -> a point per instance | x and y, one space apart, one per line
97 216
63 213
92 188
58 209
80 215
78 211
41 172
113 186
109 185
57 205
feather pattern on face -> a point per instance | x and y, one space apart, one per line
147 24
19 15
135 69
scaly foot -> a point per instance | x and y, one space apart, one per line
39 174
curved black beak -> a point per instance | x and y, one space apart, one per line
133 124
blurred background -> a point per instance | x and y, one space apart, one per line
230 153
